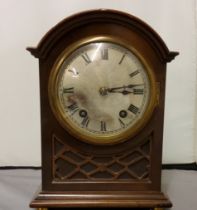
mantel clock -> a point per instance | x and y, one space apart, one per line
102 87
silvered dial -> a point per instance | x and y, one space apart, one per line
103 89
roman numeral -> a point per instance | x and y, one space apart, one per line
104 54
138 91
73 71
134 73
86 58
132 108
73 108
103 126
68 90
121 123
85 122
121 60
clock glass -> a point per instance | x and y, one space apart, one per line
102 92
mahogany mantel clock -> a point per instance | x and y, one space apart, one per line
102 87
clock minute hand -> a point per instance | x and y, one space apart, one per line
115 88
120 91
124 92
123 87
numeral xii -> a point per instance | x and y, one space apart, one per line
104 54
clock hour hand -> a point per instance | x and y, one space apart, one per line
124 92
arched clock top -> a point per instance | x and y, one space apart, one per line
49 41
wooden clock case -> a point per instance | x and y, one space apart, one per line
78 174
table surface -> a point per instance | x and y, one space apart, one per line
18 186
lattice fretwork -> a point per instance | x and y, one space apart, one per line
70 164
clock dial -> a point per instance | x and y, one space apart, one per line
102 89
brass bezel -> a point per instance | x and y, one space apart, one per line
75 131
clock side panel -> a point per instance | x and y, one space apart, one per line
157 147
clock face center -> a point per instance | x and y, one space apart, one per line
103 91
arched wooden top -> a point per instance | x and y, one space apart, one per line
102 15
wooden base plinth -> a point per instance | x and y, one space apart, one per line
119 199
140 209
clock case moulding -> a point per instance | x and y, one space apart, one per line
138 183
